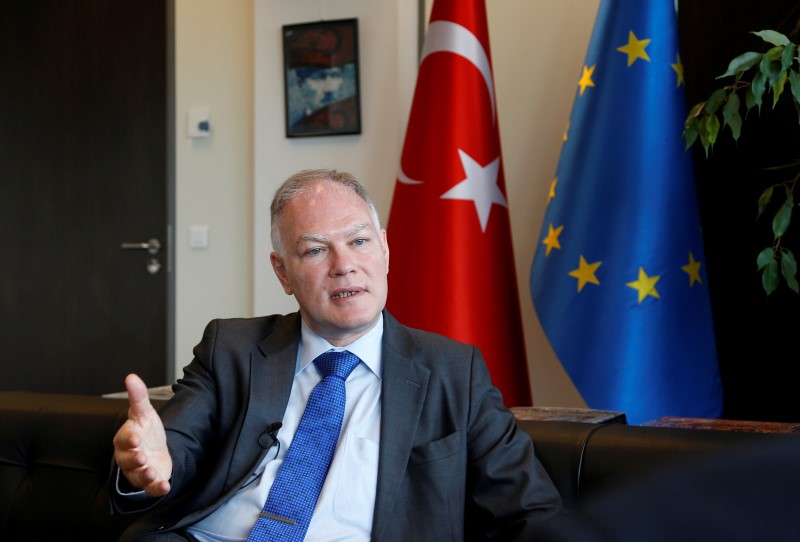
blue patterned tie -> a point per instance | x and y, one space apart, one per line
287 512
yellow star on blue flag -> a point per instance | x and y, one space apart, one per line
635 334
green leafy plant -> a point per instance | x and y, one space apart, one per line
768 73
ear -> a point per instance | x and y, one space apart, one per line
280 271
385 248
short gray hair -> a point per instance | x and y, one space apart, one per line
302 182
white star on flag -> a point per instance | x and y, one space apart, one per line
480 186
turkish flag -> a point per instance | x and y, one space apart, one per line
452 267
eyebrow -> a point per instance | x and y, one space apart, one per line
319 238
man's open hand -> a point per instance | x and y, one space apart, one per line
140 445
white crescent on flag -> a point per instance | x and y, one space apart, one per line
449 37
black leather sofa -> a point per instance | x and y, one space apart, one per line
55 454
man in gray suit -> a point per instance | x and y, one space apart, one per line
427 451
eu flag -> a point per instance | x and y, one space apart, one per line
618 279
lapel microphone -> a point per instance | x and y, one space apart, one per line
269 438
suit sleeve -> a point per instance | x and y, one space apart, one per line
189 421
508 490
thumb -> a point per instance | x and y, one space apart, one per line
137 396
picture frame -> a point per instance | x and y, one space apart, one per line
321 78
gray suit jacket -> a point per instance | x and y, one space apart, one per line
452 464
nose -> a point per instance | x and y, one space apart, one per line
341 263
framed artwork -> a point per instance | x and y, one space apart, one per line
321 78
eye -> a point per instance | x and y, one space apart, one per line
314 251
360 242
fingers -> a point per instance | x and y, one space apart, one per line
137 396
140 446
158 488
148 479
128 458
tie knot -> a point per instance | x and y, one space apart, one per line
339 364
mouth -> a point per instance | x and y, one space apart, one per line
343 294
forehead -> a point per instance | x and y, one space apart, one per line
326 205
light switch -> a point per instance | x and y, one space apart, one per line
199 122
198 236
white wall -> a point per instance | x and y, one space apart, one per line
538 49
229 57
214 176
387 58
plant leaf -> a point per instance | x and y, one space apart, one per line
736 126
782 219
769 68
731 116
794 84
777 88
741 64
690 135
765 256
787 57
789 270
712 130
758 85
694 112
769 277
773 37
702 132
712 127
731 107
749 98
714 101
763 200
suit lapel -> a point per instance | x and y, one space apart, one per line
272 368
403 388
272 365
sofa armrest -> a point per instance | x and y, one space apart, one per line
560 446
583 458
617 454
55 458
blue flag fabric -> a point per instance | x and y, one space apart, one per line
618 279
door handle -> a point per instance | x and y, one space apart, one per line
152 246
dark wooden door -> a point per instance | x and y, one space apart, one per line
83 169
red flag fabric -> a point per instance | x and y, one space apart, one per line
452 263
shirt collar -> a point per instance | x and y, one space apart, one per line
367 347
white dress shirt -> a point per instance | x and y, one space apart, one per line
347 500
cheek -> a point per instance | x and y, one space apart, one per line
308 279
382 262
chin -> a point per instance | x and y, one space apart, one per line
358 323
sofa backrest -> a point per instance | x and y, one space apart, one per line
55 458
56 450
584 458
